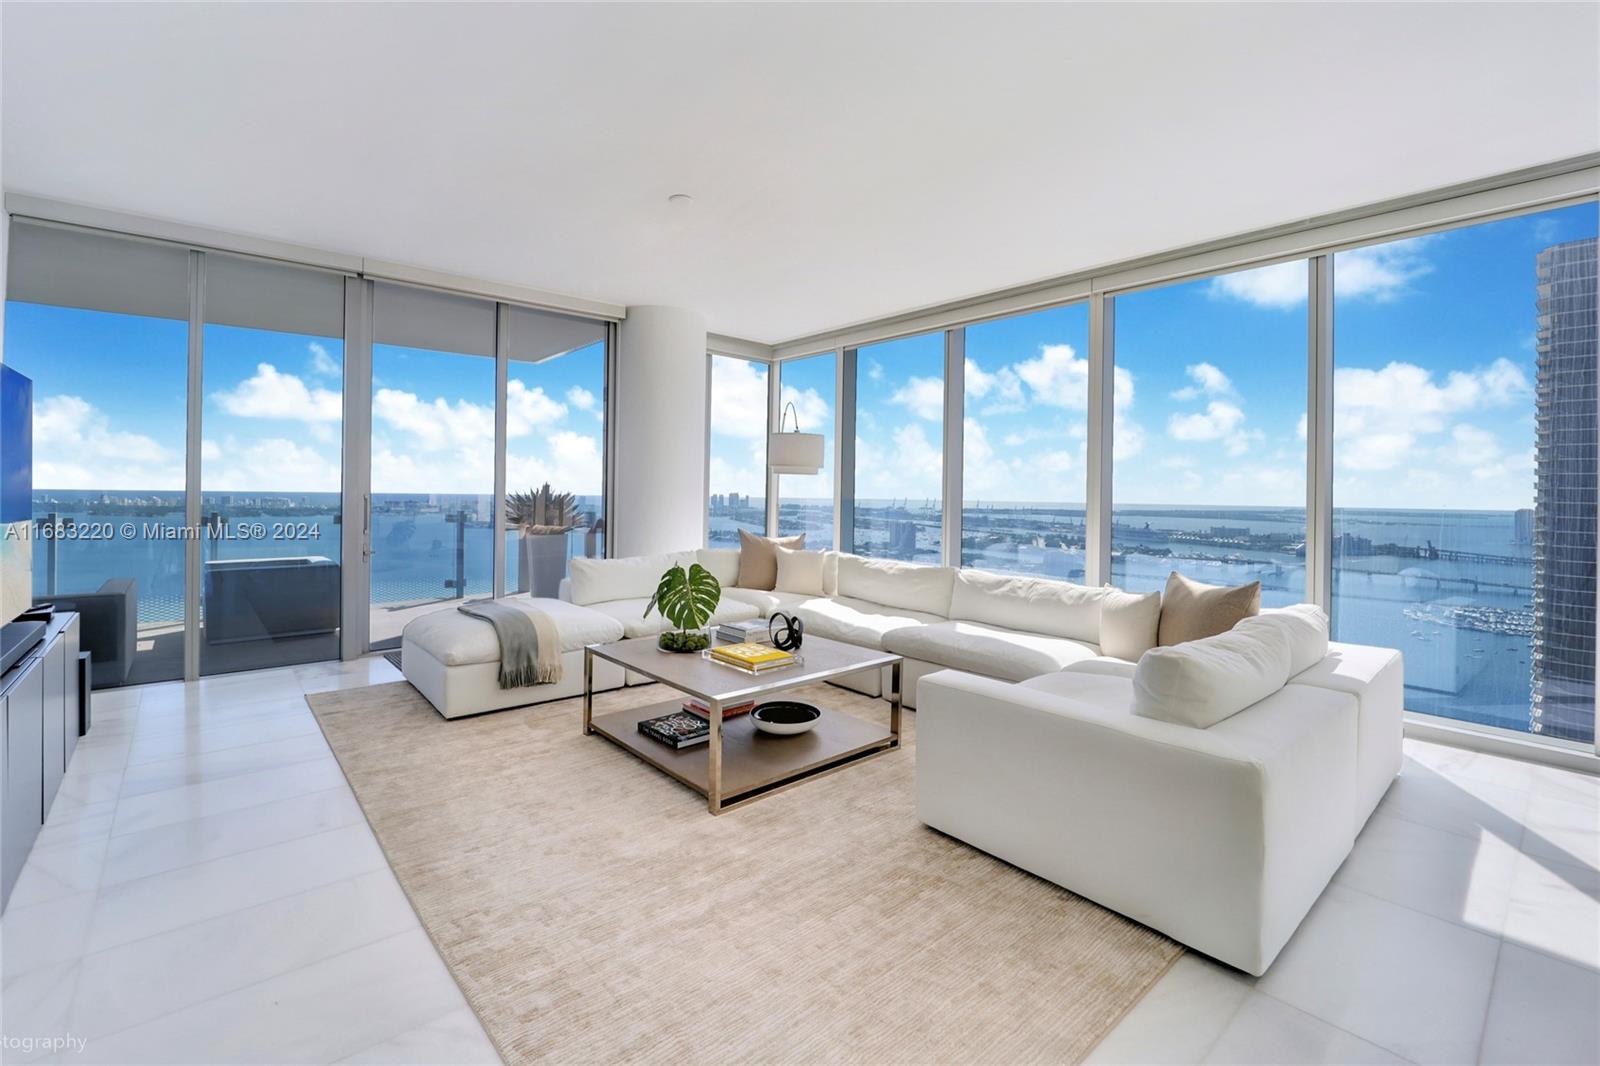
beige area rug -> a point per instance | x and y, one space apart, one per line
593 911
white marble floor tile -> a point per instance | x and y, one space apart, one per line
1180 1018
220 736
457 1038
326 677
1555 907
68 823
59 870
136 982
45 934
197 766
36 1012
1411 983
319 1013
1272 1033
1454 877
228 794
150 905
1464 806
197 840
1543 1011
1562 830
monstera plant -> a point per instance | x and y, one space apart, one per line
686 598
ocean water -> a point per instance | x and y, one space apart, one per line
1472 664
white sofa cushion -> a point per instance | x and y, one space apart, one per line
830 573
630 613
766 602
857 621
722 562
600 580
1105 665
1376 678
456 639
910 586
1201 682
1128 623
1306 627
1035 605
800 571
983 649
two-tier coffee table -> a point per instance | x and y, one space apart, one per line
740 763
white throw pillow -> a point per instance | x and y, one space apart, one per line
722 562
1306 627
799 571
1034 605
908 586
603 580
1202 682
1128 623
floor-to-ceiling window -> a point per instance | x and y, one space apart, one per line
101 325
555 446
1209 446
1464 467
805 501
433 442
737 484
270 464
898 509
1023 443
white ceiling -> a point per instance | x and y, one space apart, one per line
846 162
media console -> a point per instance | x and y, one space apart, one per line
41 704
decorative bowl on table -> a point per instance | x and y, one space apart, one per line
785 717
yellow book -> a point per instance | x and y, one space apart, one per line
750 655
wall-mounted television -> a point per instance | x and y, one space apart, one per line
16 493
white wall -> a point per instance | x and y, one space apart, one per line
659 490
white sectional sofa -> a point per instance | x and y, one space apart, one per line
1219 824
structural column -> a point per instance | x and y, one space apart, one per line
659 491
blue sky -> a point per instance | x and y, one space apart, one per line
1434 372
1434 369
109 410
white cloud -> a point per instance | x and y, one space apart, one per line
1280 286
907 466
1381 272
1058 377
581 398
1208 381
528 409
272 464
77 447
1003 386
923 397
1220 419
738 398
321 362
571 463
1379 415
433 426
272 394
1031 474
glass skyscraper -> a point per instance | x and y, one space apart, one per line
1565 494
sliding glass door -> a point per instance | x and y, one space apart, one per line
433 455
101 325
270 459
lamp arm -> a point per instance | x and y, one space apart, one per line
787 408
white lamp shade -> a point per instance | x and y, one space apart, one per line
795 453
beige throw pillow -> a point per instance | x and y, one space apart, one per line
799 571
758 559
1191 610
1128 623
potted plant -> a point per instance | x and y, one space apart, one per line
542 519
686 598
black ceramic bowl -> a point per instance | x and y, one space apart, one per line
785 717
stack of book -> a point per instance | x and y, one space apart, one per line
680 729
752 631
694 706
754 658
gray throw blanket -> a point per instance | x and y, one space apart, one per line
530 647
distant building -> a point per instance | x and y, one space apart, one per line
1522 520
1565 496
